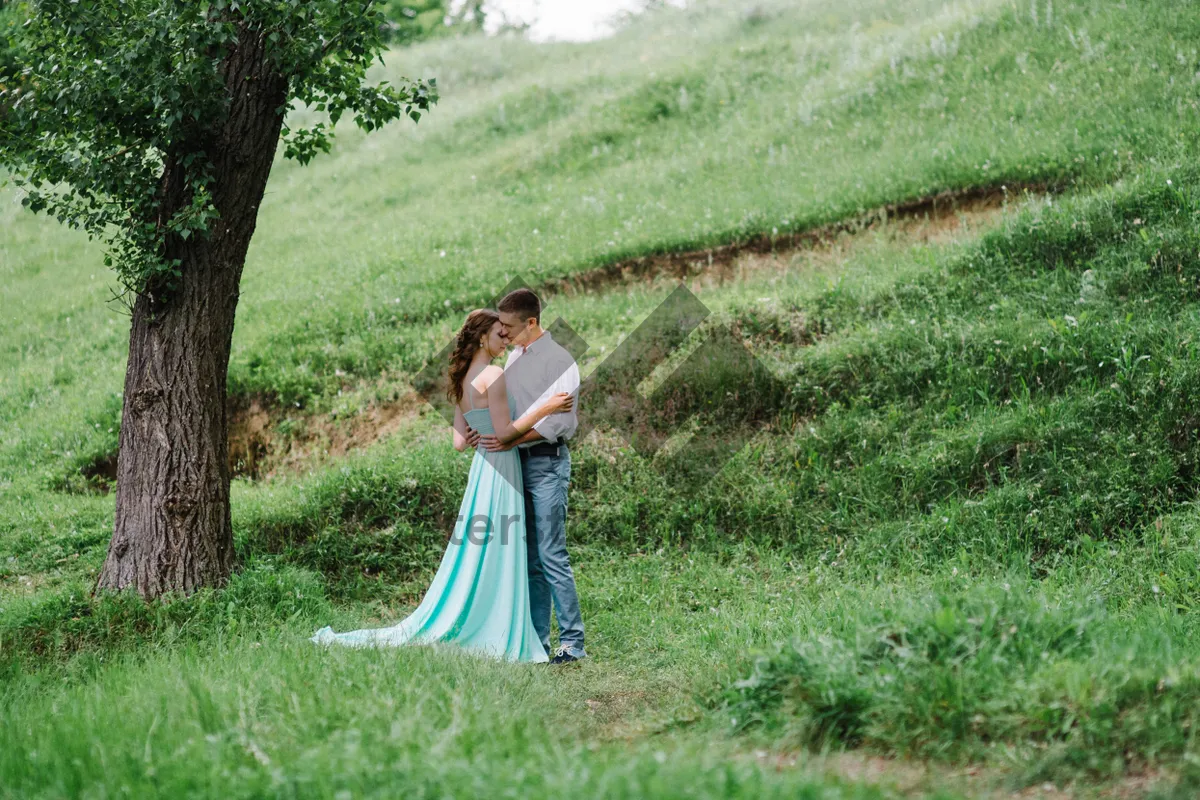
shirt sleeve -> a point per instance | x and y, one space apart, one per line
565 423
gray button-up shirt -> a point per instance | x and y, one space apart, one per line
534 373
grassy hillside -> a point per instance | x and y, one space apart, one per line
963 533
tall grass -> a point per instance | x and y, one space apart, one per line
958 673
255 710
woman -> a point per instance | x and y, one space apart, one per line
479 598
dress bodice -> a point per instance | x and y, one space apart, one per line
481 418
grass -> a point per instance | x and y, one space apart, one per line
954 673
962 535
265 712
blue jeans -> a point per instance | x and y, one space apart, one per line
550 576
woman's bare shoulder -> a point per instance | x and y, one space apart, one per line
486 377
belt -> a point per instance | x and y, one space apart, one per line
552 449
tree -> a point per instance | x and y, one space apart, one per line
152 125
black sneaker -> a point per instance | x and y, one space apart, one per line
561 656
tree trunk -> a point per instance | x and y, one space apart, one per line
172 530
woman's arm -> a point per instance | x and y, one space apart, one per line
460 430
508 429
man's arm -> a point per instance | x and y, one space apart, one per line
493 444
472 437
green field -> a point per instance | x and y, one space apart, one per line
960 555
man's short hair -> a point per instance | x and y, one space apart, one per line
523 303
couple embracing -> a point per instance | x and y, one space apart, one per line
507 559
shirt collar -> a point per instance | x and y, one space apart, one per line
521 350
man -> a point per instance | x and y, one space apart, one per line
537 367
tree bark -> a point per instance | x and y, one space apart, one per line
172 530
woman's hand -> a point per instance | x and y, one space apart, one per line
559 403
508 430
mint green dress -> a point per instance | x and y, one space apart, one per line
479 598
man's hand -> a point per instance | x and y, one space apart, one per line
473 437
494 445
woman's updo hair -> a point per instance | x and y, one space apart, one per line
466 344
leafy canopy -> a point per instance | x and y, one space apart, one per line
108 93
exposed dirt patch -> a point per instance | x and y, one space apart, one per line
101 475
952 220
265 439
98 476
929 219
251 429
